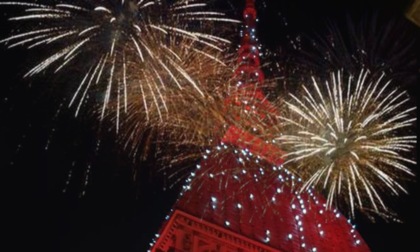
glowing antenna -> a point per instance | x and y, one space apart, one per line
248 71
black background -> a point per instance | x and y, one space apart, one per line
115 213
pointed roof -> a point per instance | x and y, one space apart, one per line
248 76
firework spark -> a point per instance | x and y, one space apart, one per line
193 121
374 42
227 114
104 40
378 46
349 137
175 117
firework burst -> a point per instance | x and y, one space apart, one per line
380 46
350 138
114 44
379 43
179 118
228 114
192 122
174 105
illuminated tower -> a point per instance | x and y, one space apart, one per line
240 198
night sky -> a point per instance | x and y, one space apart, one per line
48 154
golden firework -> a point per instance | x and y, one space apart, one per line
188 122
351 138
100 40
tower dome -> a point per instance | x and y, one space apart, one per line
238 190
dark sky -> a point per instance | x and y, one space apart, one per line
43 150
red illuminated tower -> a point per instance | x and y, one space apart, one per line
240 198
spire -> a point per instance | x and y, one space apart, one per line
248 71
249 82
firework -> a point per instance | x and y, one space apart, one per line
167 108
368 42
192 122
111 44
174 117
374 42
350 137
